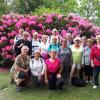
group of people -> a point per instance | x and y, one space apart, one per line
55 60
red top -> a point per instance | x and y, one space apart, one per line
95 52
54 66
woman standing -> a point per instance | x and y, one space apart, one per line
35 42
95 61
55 33
20 43
65 56
86 62
53 71
44 47
76 49
19 36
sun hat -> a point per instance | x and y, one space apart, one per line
37 51
35 33
54 30
77 38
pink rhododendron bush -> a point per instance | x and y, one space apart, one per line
9 26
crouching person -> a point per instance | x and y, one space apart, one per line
21 69
37 68
53 72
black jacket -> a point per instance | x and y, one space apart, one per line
17 50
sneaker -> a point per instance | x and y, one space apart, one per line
95 86
91 82
87 82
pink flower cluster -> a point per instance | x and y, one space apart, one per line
10 25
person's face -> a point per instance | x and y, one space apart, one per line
44 39
24 51
54 40
98 41
52 54
35 36
54 33
84 41
25 36
77 42
89 44
36 55
63 43
21 31
68 36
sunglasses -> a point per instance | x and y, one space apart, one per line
25 35
77 40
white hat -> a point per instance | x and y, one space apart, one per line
54 30
84 37
77 38
37 51
35 33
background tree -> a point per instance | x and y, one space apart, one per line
64 6
4 7
25 6
90 9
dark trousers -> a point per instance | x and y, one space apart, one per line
96 71
66 73
54 83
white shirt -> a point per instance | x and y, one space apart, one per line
44 47
37 66
35 45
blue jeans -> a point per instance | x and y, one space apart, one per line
96 71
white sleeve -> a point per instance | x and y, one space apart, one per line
44 66
15 40
31 64
39 45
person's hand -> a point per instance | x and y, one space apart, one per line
20 45
26 70
58 75
40 74
92 65
46 81
82 66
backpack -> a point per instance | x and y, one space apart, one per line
78 82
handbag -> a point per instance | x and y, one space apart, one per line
22 75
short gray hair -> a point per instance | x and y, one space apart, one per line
25 47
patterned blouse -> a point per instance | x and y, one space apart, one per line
22 62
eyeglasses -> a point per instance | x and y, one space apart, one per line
25 35
77 40
63 41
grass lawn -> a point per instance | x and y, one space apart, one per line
8 92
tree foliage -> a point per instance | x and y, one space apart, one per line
86 8
4 7
90 9
25 6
